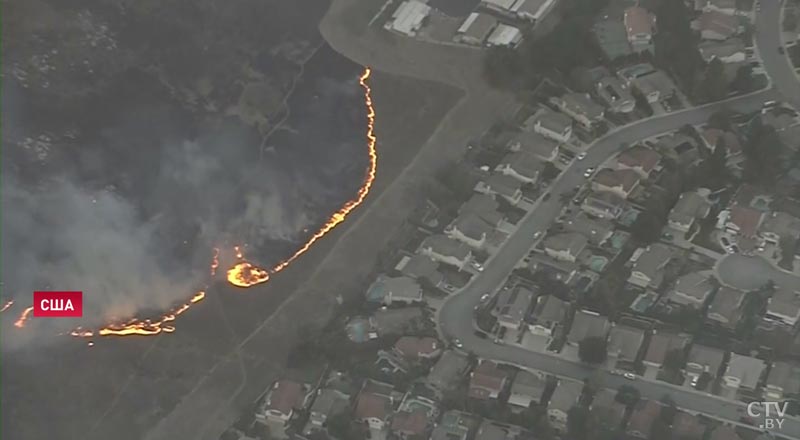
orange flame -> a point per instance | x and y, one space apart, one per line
243 273
23 317
145 327
7 305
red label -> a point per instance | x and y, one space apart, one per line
57 304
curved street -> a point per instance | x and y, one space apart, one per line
456 315
752 272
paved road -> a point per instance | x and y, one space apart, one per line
455 317
768 39
750 273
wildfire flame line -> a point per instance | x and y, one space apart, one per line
244 273
23 317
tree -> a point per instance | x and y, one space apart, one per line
503 67
720 119
647 227
676 44
714 86
668 409
578 422
342 426
593 350
627 395
743 81
673 360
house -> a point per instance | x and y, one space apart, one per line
743 375
564 397
639 26
522 165
502 185
391 290
640 159
729 7
469 229
555 126
560 270
409 17
581 108
587 324
597 231
542 147
512 306
548 312
703 360
713 136
422 267
605 409
448 370
527 388
282 400
604 205
328 402
783 381
716 25
728 51
648 270
642 418
691 206
656 86
693 289
504 35
476 29
612 36
680 147
447 250
778 225
618 182
687 427
783 309
616 94
566 246
411 424
484 206
501 6
661 344
414 348
375 404
494 431
725 309
455 425
487 381
624 344
532 10
743 221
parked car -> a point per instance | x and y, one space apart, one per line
629 376
588 172
582 156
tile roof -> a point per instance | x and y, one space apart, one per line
639 20
486 379
414 347
639 157
626 179
746 219
373 406
717 22
662 343
285 396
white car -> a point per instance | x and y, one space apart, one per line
629 376
457 343
484 297
537 235
582 156
588 172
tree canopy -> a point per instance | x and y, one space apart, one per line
593 349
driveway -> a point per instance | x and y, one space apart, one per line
751 272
